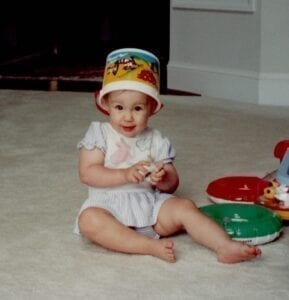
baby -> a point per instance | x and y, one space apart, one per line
128 168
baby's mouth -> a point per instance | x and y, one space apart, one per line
128 128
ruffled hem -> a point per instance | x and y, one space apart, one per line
132 209
89 146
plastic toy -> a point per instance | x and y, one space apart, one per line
151 168
252 224
272 191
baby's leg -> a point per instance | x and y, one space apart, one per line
176 214
100 227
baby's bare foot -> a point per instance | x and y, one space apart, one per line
236 252
164 249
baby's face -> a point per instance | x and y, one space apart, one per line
129 111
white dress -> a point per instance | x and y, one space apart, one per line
134 205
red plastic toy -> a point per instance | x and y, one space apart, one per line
272 193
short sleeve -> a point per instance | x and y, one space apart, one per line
162 148
95 137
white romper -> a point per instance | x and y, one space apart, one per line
134 205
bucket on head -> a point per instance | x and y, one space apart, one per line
131 69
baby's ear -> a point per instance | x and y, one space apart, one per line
105 103
153 105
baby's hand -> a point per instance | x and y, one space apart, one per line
137 172
157 174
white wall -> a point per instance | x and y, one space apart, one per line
232 49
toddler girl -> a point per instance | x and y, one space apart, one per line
128 168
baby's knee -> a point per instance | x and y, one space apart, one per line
187 203
88 221
184 206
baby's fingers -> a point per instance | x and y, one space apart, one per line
156 177
158 166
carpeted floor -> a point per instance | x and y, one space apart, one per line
40 196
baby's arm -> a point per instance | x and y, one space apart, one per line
165 178
93 172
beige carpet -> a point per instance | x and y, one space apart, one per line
40 196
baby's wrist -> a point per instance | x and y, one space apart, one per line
123 175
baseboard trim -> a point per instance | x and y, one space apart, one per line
236 85
273 91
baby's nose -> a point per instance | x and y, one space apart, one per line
128 115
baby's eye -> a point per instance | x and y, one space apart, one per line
138 108
118 107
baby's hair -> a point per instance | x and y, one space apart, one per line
115 92
123 91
